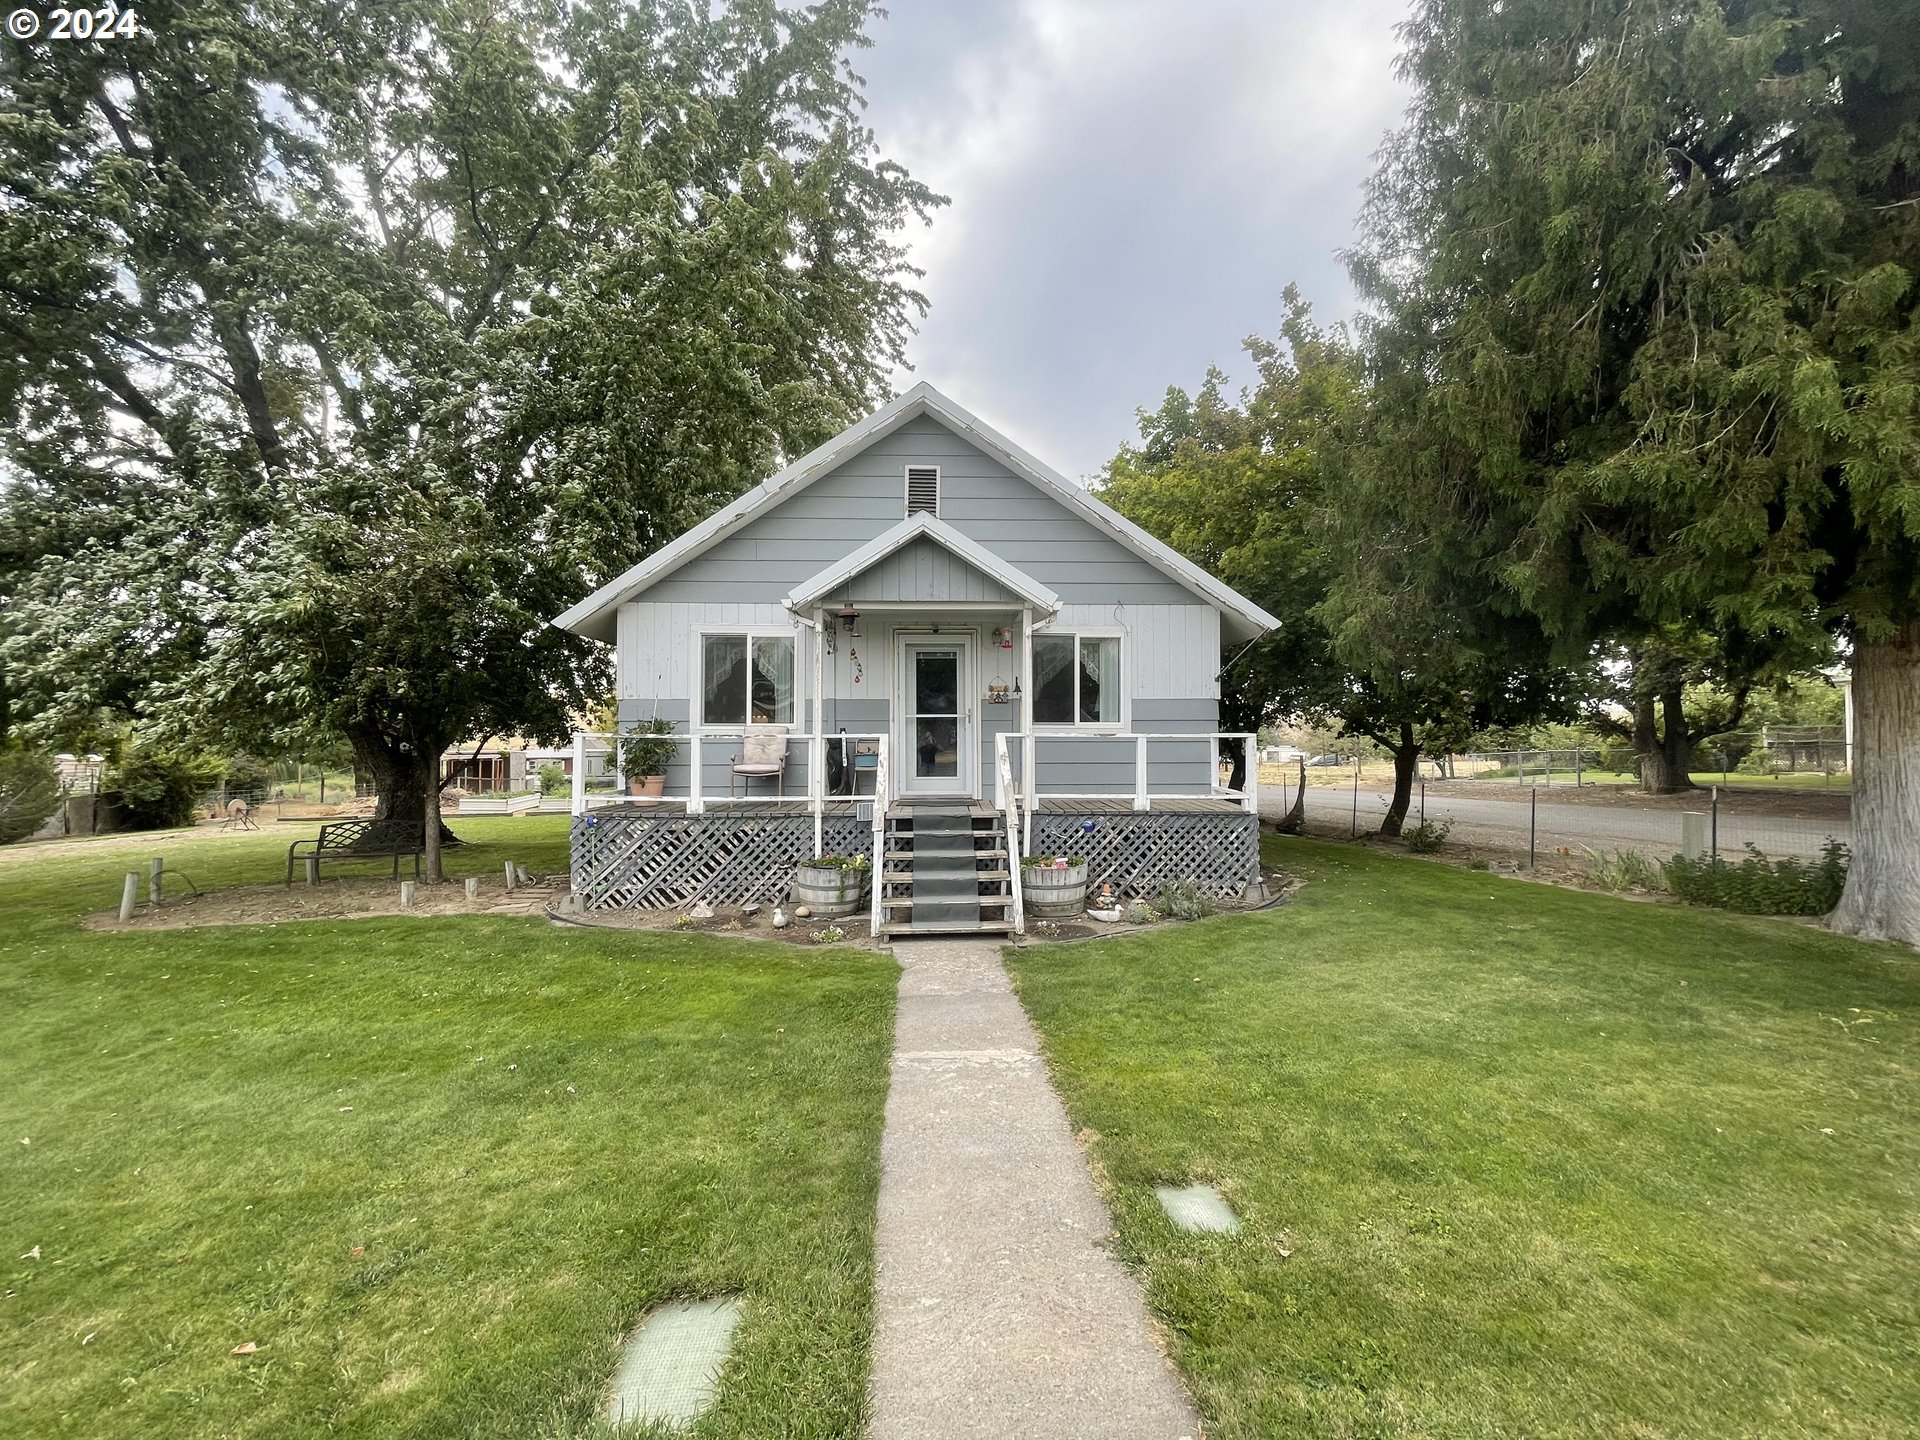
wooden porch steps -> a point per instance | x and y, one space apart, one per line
945 872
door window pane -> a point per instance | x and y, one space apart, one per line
936 679
1053 679
936 707
937 747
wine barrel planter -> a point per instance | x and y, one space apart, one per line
829 889
1055 892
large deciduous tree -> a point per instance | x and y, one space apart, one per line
1285 496
1656 267
345 345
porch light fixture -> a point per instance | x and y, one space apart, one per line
848 615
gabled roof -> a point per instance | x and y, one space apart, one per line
594 615
842 572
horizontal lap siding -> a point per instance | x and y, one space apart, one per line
1171 645
866 496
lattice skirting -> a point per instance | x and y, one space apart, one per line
1141 852
627 862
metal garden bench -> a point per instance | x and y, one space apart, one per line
359 840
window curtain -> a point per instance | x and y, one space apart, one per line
1100 681
772 680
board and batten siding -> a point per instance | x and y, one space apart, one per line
925 571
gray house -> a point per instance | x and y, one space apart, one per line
918 625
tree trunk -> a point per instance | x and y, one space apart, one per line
1663 756
1406 769
430 823
400 778
1294 822
1882 898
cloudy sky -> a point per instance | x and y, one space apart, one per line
1133 183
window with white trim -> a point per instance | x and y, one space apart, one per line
746 678
1076 679
923 489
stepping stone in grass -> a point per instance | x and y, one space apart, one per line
670 1369
1197 1208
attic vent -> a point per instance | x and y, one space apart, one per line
923 489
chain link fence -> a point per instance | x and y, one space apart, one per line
1614 837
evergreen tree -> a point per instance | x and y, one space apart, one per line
1651 270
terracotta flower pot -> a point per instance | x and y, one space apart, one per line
647 784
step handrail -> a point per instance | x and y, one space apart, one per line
1010 809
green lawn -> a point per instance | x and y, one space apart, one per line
1804 780
434 1169
1547 1163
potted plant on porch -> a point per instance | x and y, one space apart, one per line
1055 886
831 884
644 755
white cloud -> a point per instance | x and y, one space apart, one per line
1133 184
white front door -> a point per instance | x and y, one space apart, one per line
935 736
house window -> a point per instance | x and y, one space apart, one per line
923 489
1076 679
746 679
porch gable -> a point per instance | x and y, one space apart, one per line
923 560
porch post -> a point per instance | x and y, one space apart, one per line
695 805
577 805
1140 801
817 755
1027 782
1252 742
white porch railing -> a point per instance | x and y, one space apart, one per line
877 917
1141 796
699 747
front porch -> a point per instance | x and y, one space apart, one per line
669 853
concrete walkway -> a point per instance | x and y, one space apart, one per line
1000 1312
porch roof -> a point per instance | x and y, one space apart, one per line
844 571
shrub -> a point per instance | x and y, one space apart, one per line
29 793
159 788
1426 838
1759 886
553 779
245 775
1625 870
1185 900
